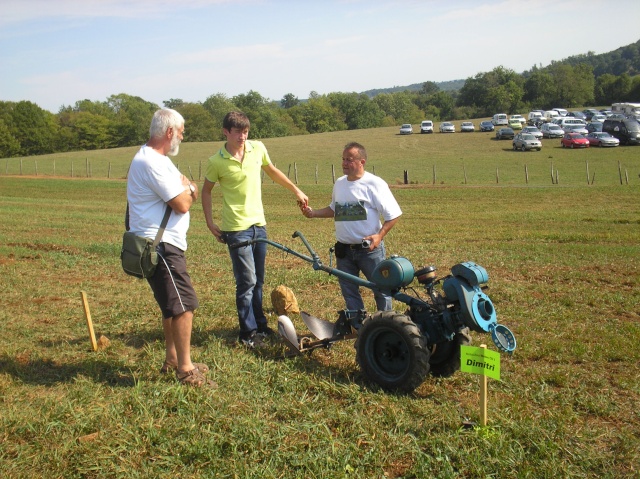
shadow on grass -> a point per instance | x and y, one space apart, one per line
45 372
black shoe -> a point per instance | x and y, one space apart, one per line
254 341
265 332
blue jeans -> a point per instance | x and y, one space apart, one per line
248 269
364 261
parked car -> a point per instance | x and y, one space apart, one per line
505 134
520 118
602 138
526 141
577 114
515 124
599 117
625 129
533 130
426 126
574 140
406 129
447 127
589 112
467 126
576 128
561 111
486 126
594 126
551 130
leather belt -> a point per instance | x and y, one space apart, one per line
353 246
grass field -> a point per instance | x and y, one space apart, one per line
564 267
455 159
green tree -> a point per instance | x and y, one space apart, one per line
317 116
218 106
539 89
9 145
289 101
132 117
199 125
429 88
357 110
173 103
34 128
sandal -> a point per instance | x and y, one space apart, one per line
194 378
168 367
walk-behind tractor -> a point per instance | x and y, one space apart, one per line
398 350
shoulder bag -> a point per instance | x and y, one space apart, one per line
139 256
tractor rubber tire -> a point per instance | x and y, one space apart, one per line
392 352
445 358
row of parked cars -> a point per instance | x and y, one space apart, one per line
624 129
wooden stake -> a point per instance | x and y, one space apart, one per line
483 396
87 314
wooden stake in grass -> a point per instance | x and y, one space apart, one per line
87 313
483 396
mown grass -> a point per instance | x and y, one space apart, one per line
564 266
441 159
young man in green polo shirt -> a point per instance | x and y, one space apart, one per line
237 167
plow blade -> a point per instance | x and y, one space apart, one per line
288 333
320 328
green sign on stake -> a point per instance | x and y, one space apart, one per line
480 361
487 364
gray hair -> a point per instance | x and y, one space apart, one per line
163 120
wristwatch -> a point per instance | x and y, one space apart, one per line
192 188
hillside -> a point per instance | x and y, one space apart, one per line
621 60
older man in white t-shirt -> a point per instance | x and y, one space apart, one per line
153 183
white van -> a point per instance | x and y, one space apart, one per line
535 117
561 111
426 126
551 115
500 119
569 120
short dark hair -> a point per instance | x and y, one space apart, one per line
235 119
362 153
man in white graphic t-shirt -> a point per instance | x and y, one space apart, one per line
358 201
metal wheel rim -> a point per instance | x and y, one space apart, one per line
388 353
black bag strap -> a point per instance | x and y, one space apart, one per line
163 224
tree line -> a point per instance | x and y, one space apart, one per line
123 120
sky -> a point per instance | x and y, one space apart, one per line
57 52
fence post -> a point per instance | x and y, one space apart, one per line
316 174
587 163
464 170
109 171
526 174
295 172
497 175
289 171
434 174
36 165
333 174
54 167
20 166
619 172
406 177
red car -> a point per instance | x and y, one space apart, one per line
574 140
